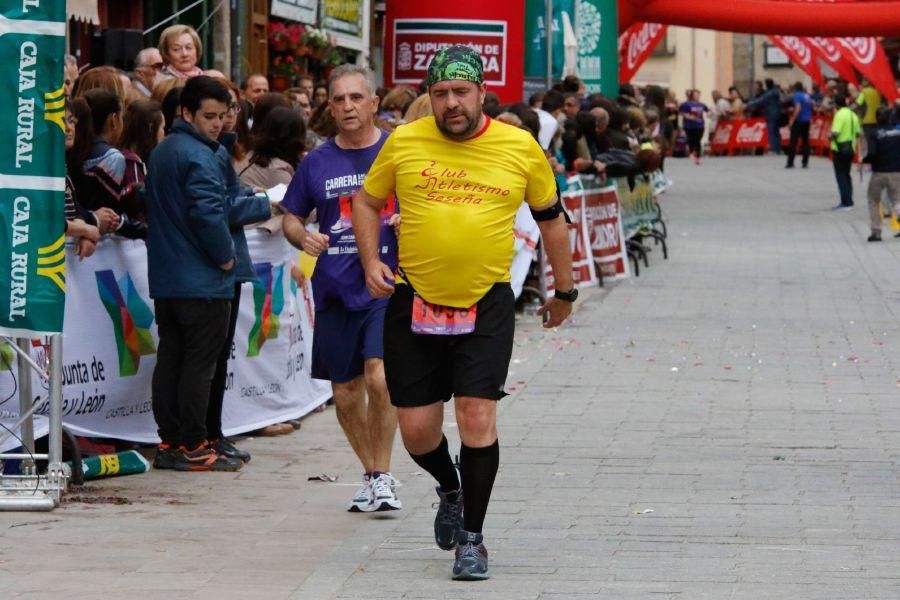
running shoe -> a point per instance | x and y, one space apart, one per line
362 500
204 458
226 447
165 457
448 521
471 562
383 496
874 237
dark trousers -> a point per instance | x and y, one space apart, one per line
217 387
842 166
191 334
695 140
774 134
799 131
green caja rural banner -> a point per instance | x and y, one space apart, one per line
32 167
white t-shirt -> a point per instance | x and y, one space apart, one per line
549 126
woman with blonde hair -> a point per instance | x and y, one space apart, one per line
181 50
161 89
395 103
420 107
103 77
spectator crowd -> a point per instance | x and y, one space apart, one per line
130 135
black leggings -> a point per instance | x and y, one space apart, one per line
695 140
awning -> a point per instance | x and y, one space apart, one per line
83 10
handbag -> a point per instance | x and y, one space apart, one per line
845 149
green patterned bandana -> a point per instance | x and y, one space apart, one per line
456 62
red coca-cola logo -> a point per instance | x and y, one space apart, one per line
751 133
722 134
863 48
800 49
831 52
640 42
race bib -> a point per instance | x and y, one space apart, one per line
434 319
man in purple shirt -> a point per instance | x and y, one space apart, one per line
347 339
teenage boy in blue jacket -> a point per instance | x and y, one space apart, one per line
191 259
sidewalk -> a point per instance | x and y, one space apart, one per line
726 426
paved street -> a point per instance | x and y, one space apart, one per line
726 426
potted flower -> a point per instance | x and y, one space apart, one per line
295 36
282 71
278 36
317 41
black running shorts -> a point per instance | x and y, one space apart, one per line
423 369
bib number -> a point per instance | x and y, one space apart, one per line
434 319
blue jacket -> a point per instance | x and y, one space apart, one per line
770 101
188 237
246 208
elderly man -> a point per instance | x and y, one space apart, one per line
148 66
347 347
70 74
448 330
601 116
254 86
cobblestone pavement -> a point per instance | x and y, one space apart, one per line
726 426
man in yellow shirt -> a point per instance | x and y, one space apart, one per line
844 135
459 178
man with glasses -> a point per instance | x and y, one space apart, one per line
148 66
571 105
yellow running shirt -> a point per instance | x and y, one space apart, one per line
458 202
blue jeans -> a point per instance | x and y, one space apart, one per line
842 165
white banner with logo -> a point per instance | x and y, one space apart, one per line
110 341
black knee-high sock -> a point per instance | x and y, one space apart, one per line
438 463
478 467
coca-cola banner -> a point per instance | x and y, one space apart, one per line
750 134
800 54
636 45
830 52
867 55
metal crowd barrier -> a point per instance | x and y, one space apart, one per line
32 490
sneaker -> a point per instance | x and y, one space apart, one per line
165 457
204 458
697 159
395 483
875 237
383 496
448 521
788 166
362 500
805 166
842 207
471 562
226 447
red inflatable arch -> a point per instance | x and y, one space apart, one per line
774 17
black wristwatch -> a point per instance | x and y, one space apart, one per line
569 296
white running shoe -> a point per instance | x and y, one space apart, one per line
362 500
383 496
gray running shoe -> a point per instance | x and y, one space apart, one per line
362 500
471 562
448 521
383 496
